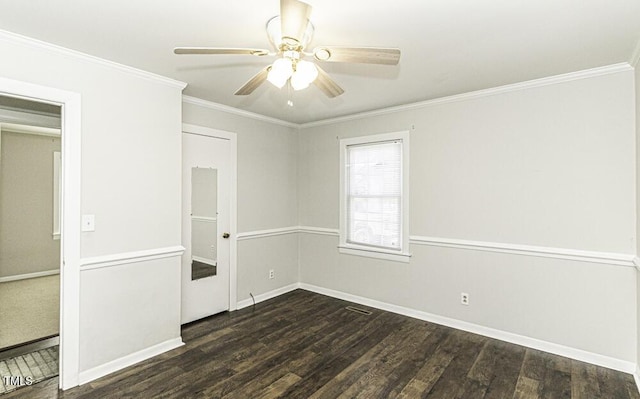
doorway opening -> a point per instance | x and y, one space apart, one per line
30 251
43 99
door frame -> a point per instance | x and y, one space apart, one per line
233 215
71 126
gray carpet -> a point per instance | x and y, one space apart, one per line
28 369
30 310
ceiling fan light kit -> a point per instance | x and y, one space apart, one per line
290 33
306 72
280 72
291 68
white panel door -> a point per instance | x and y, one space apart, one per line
205 225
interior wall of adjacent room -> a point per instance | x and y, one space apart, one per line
27 244
267 196
548 166
131 181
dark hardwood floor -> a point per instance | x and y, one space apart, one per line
305 345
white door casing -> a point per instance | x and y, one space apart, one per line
70 103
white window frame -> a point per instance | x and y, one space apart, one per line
345 247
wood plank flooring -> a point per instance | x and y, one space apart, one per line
38 366
305 345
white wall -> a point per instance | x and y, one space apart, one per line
267 196
131 127
547 166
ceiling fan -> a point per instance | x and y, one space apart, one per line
290 33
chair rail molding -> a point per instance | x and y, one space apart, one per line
609 258
99 262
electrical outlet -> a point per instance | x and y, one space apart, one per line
464 298
272 274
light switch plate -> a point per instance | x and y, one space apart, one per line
88 222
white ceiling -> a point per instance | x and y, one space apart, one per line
448 46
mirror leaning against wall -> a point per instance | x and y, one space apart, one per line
204 222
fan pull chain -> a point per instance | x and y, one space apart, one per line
289 99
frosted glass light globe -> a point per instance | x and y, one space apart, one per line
280 72
306 72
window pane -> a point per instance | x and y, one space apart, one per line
375 221
374 194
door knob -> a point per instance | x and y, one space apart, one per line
225 235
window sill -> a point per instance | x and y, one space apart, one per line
375 253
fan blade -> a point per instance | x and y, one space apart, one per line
364 55
254 82
294 16
326 84
215 50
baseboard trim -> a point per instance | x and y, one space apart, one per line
129 360
98 262
573 353
636 377
268 295
29 275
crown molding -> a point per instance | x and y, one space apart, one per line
615 68
16 38
529 84
635 57
21 117
550 80
236 111
29 129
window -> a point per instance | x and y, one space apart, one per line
374 174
